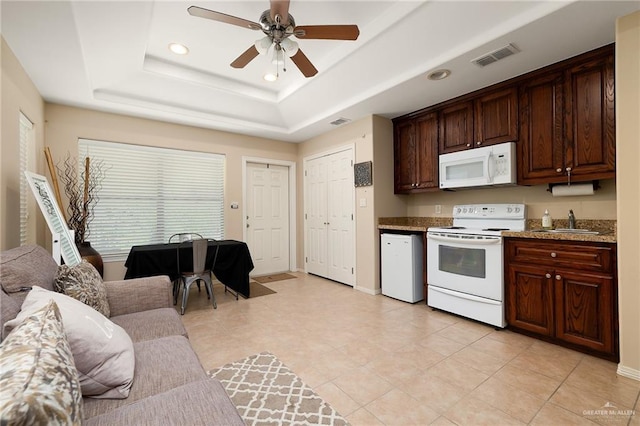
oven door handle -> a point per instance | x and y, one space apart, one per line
484 241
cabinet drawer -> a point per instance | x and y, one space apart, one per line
587 257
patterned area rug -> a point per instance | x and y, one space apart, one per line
266 392
271 278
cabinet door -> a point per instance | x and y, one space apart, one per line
530 299
426 146
456 127
590 120
496 117
541 151
585 310
404 157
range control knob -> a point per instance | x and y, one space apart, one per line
517 209
509 209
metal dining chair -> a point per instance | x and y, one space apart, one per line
181 237
199 273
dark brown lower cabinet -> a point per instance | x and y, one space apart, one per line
569 303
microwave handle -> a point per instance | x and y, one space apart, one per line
489 177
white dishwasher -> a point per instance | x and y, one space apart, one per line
401 259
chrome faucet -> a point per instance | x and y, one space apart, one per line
572 220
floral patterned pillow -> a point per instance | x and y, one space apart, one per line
39 382
83 283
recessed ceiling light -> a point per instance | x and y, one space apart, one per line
178 49
439 74
270 77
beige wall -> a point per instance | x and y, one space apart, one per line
66 124
628 176
18 94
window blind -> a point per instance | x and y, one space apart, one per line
26 139
149 194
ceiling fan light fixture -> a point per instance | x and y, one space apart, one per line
178 49
440 74
263 44
289 46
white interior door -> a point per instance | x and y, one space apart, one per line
268 217
316 216
329 216
340 217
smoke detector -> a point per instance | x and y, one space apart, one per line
496 55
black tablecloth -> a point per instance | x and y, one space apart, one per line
232 266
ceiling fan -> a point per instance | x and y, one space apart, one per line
279 25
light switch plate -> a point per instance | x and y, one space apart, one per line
363 202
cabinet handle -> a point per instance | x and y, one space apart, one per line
468 145
553 254
479 143
558 277
559 170
548 275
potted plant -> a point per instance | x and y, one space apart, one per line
81 188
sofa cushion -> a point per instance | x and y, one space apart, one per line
161 364
166 322
84 283
102 351
26 266
204 402
9 307
39 382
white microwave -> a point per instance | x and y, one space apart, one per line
486 166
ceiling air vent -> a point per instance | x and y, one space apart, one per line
496 55
340 121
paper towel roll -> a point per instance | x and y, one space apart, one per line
571 190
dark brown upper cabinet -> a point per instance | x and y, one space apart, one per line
416 154
568 122
488 119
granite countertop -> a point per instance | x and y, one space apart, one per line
413 224
606 228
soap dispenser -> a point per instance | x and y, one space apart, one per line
546 220
572 220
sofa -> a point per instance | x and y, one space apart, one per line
169 384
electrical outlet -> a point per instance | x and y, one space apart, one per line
438 209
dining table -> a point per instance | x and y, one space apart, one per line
232 264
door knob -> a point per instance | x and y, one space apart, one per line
247 225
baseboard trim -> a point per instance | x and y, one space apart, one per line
367 290
631 373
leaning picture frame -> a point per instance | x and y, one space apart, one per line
53 216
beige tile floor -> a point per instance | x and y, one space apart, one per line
379 361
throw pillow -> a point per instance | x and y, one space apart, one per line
84 283
39 382
102 350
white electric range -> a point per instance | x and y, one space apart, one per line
465 267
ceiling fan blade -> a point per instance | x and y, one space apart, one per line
327 32
222 17
304 64
248 55
280 7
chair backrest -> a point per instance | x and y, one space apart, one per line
199 254
181 237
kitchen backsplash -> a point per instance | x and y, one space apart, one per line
601 205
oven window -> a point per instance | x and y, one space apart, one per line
469 262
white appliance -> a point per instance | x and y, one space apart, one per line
465 267
486 166
401 260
